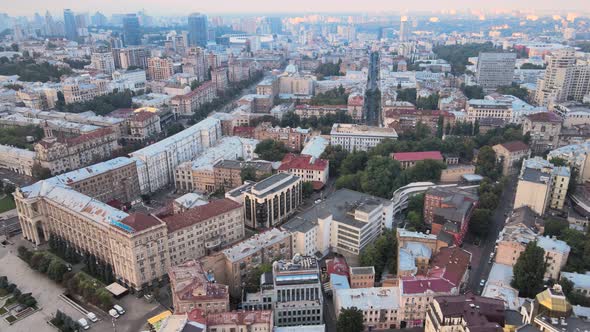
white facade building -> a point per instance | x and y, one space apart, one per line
359 137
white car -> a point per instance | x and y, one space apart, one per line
119 309
114 313
83 323
482 282
92 317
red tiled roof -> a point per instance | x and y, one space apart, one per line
317 185
142 116
544 117
293 161
515 146
197 315
415 156
328 107
140 221
450 263
200 213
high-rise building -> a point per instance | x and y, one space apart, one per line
103 62
197 29
70 24
405 29
98 19
565 78
130 57
131 30
495 69
275 25
159 69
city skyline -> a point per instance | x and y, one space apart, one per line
180 7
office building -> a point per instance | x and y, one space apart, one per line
465 313
380 306
294 138
405 29
298 292
131 30
197 30
510 154
228 173
185 105
103 62
233 265
271 201
495 70
345 222
489 109
70 25
359 137
194 288
362 277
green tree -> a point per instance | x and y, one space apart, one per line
252 283
248 173
290 119
354 162
40 172
349 181
529 271
195 84
271 150
56 270
557 161
350 320
487 165
479 224
472 91
307 189
379 177
554 227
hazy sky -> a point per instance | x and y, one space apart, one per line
155 7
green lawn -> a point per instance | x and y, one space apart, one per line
11 319
6 204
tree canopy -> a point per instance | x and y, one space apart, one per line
350 320
529 271
30 71
271 150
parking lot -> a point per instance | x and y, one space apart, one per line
48 294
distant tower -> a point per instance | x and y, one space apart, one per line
197 30
131 30
70 25
405 29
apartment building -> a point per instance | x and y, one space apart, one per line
345 222
544 129
513 240
131 57
362 277
195 63
294 138
134 245
308 168
38 98
159 69
115 180
580 281
566 78
103 62
509 154
380 306
298 292
194 288
269 87
495 69
464 313
159 160
359 137
259 321
269 202
479 109
305 110
62 154
409 159
80 91
133 80
448 210
199 174
576 156
233 265
202 229
17 160
228 173
187 104
405 118
541 184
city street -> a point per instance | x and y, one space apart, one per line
480 266
372 107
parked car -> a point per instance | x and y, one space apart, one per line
119 309
114 313
83 323
482 282
92 317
